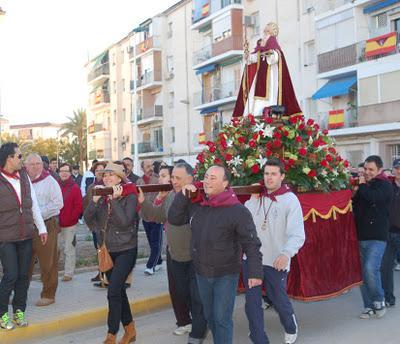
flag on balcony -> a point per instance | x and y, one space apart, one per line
201 138
336 119
205 10
381 45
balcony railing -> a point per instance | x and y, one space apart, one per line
350 55
150 147
149 78
218 92
99 97
147 44
218 48
104 69
329 5
95 128
350 119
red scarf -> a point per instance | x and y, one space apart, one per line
282 190
42 176
14 175
224 199
146 179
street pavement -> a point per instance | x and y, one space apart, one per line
330 322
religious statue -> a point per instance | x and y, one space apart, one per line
266 87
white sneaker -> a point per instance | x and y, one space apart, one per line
158 267
181 330
367 313
81 222
290 338
379 309
149 272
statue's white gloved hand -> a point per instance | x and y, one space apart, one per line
273 58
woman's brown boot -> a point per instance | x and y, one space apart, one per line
110 339
130 334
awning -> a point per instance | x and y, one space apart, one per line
206 69
231 61
99 59
335 88
209 110
379 5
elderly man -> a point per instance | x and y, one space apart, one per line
19 214
181 277
50 200
221 229
154 231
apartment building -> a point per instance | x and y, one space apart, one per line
163 87
357 45
34 131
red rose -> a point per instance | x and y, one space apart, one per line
316 127
217 161
293 119
255 169
268 120
255 136
228 157
301 126
252 143
302 151
312 173
291 162
346 164
200 158
338 158
277 143
316 143
224 144
251 119
310 122
242 139
277 135
309 132
210 143
325 132
332 150
329 157
324 163
268 153
298 139
285 133
268 145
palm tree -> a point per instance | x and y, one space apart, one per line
77 128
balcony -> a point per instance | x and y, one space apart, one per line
94 128
149 80
99 74
350 120
98 99
325 6
146 45
149 115
149 148
203 15
217 95
222 50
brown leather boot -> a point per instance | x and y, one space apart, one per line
130 334
110 339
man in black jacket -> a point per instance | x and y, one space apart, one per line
371 208
393 245
221 228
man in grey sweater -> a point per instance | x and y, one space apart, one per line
278 218
179 261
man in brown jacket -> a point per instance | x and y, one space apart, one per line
19 214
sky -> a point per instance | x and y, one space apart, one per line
44 45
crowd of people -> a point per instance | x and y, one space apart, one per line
211 238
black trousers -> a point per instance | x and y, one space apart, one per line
119 309
15 258
187 290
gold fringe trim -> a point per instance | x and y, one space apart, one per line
280 79
331 213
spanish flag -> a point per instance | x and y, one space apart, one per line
205 10
336 119
381 45
201 138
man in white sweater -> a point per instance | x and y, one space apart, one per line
278 218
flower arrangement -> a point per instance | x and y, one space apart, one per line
245 144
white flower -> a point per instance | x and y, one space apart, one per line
235 172
335 173
324 173
261 160
268 131
236 161
258 127
229 143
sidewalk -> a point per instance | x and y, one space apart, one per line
80 305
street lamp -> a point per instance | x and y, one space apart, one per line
2 13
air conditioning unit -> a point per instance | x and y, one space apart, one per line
249 21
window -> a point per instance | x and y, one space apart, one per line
256 23
123 85
309 53
124 114
115 86
380 21
115 116
170 64
158 139
172 134
171 99
169 32
395 151
222 28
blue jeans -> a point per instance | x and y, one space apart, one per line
218 298
371 252
154 233
393 246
